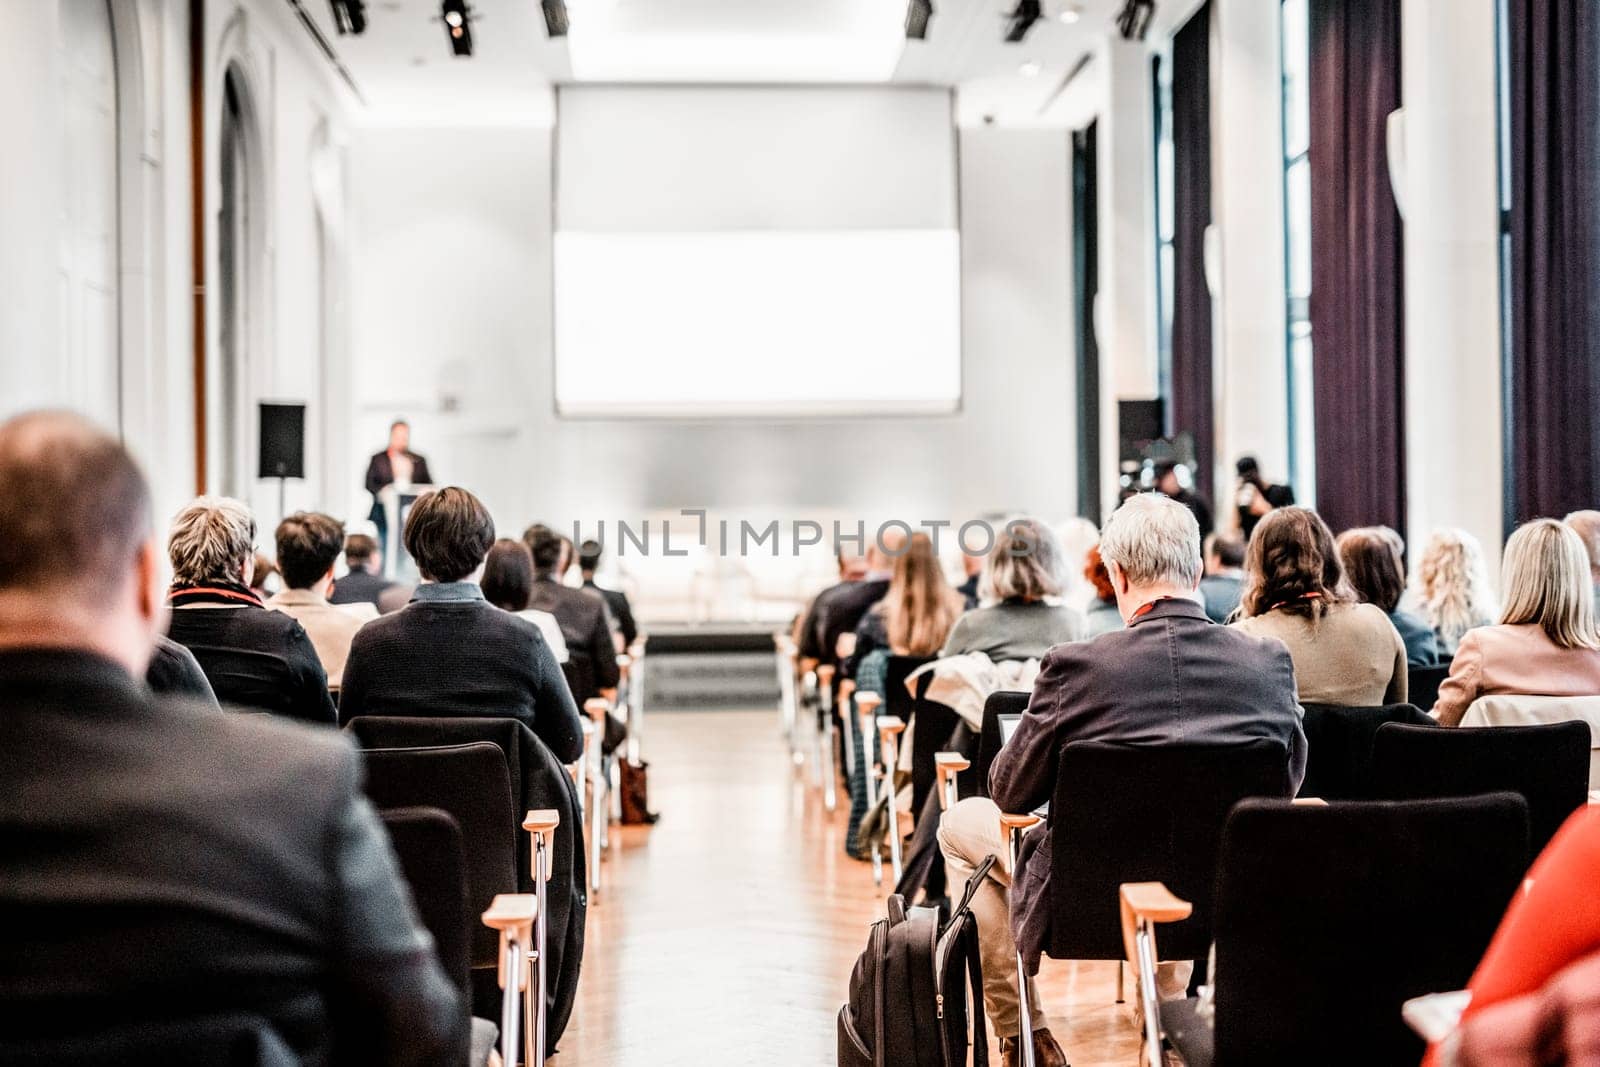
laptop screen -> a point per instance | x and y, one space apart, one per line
1008 726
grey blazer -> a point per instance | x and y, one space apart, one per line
1171 677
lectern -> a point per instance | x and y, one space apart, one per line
397 500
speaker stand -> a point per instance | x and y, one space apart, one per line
283 496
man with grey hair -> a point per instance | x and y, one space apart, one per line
255 659
177 881
1587 524
1171 677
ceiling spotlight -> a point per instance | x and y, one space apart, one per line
1030 69
457 26
555 17
1021 20
918 13
1070 14
349 16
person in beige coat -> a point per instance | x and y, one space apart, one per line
1344 652
1547 642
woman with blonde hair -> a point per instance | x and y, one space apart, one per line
1453 582
916 614
1345 652
1547 642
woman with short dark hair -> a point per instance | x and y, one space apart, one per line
1371 558
508 585
1345 652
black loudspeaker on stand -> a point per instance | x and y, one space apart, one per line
283 445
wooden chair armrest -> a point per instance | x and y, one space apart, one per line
890 724
1310 802
637 648
808 664
825 675
868 704
845 646
1147 902
541 820
846 689
596 708
513 914
1009 822
624 661
1154 901
950 762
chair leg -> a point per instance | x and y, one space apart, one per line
864 724
830 793
890 746
1150 1001
534 1003
1025 1038
1120 998
597 822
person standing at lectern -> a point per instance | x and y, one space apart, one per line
396 465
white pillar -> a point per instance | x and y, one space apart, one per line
1453 365
1251 381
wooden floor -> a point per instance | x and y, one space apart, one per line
726 933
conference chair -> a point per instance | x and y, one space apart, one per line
867 705
1548 766
1509 710
825 739
1339 747
787 659
597 774
990 740
1148 813
238 1040
1422 684
889 728
632 697
934 731
1327 919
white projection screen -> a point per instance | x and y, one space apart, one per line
756 252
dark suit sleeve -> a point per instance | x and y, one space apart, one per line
313 702
1023 774
419 471
809 648
602 653
624 613
398 1007
555 720
377 475
174 671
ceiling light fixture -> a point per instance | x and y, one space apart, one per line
918 14
1021 20
457 18
349 16
556 22
1030 69
1070 14
1133 21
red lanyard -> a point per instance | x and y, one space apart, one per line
1145 609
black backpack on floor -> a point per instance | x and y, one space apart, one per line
908 1002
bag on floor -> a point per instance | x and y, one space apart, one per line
909 992
636 794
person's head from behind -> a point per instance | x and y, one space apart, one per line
1224 553
448 533
399 436
213 542
852 565
883 548
361 554
1372 565
308 545
546 548
79 564
1094 569
1453 582
1167 479
1151 549
1545 578
920 605
1586 524
1292 565
508 575
1023 564
589 553
1248 470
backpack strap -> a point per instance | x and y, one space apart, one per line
978 875
980 1022
880 981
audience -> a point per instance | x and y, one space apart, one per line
1023 569
450 652
1586 524
166 863
1255 496
1169 483
1345 652
971 570
1546 643
916 614
616 600
174 672
1103 616
308 545
365 583
253 658
508 583
1453 585
263 576
838 609
1371 559
591 654
1122 687
1224 579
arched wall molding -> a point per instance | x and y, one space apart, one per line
332 406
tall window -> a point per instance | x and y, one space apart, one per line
1502 88
1297 244
1166 265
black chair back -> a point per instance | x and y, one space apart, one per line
1339 747
1148 813
212 1041
1422 684
427 842
471 783
936 727
974 781
1329 918
896 700
1547 765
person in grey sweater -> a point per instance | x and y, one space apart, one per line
1024 567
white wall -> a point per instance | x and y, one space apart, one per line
451 311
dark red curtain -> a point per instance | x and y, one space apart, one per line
1191 186
1357 279
1554 271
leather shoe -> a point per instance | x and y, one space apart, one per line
1046 1053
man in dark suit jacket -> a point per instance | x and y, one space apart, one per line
451 652
197 866
838 609
365 583
1171 677
397 463
591 655
616 600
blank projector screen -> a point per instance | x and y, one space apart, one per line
756 251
